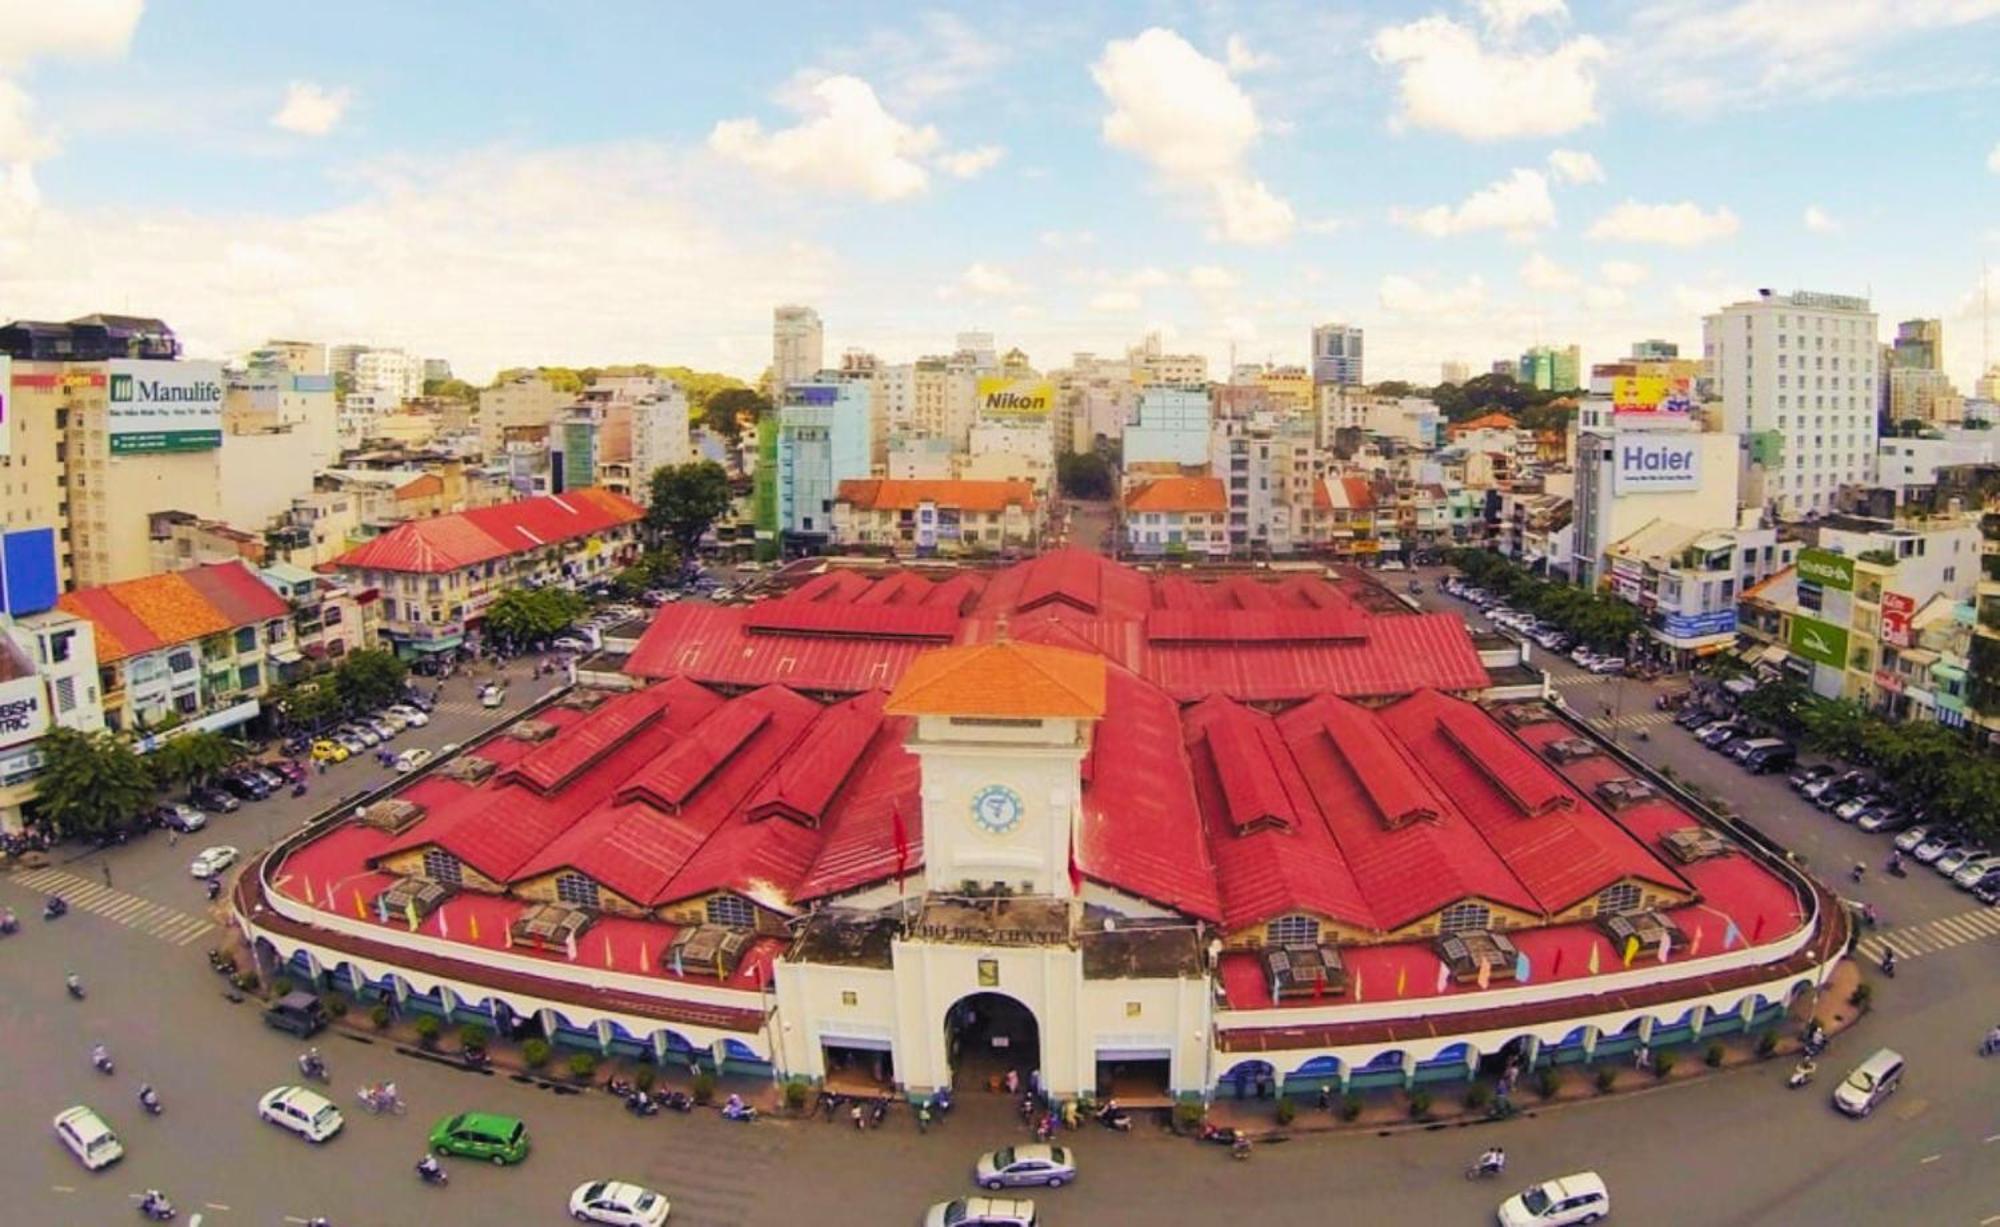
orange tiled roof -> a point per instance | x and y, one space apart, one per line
1490 421
875 494
1179 494
1002 678
139 615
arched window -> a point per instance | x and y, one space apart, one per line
731 910
576 890
442 866
1465 918
1292 931
1616 898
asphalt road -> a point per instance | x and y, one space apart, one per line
1736 1149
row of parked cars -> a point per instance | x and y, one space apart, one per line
1736 738
1545 635
364 733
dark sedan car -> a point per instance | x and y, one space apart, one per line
245 787
214 800
1806 773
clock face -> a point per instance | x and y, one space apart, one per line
997 809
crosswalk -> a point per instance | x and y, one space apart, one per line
1633 720
155 920
1932 936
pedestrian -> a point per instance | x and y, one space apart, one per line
855 1114
923 1118
1325 1099
1012 1083
106 867
1069 1114
1242 1084
1642 1057
1264 1086
173 836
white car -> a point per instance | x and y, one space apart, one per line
212 861
570 643
305 1112
415 717
413 758
615 1201
391 717
1581 1198
1607 664
88 1137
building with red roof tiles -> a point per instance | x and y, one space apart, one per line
935 517
1153 835
194 648
436 576
1178 517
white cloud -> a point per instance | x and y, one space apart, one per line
1622 272
1115 302
1062 240
845 142
485 258
1519 204
1408 296
1212 277
970 163
1324 225
1993 160
1505 17
1819 221
1241 59
72 29
1180 111
1708 296
1574 166
930 60
1538 272
311 110
1603 297
990 281
1449 82
1673 225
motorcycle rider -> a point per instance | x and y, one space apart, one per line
1888 960
1494 1160
149 1099
100 1056
311 1064
1992 1044
74 983
153 1203
428 1168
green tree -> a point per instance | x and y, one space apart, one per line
308 704
92 784
1394 387
687 498
369 679
1084 475
451 389
525 615
194 758
728 410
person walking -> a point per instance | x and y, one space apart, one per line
923 1118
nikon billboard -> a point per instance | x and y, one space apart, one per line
1030 400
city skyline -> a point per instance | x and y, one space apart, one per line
1462 182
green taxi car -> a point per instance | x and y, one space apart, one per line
481 1135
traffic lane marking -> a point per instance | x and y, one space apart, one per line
1928 1159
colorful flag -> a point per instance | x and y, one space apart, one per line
1666 946
410 913
645 957
1444 975
1319 986
1731 936
718 966
569 946
473 920
1402 978
1757 930
444 930
305 888
507 935
678 969
360 908
1694 947
331 902
381 906
1357 985
1557 970
1594 963
1631 950
902 838
1485 973
1521 966
1075 870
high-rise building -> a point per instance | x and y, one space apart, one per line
1988 385
1654 350
1454 371
659 437
1919 345
823 440
1548 369
1796 375
798 346
1336 354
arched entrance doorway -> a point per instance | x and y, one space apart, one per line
987 1034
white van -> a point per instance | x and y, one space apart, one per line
1871 1082
1581 1198
88 1137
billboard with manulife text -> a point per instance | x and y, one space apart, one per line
1017 399
1827 569
163 406
1644 462
1819 641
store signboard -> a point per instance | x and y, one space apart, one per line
1652 463
1827 569
163 406
1897 610
1820 642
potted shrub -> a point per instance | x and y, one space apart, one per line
1420 1105
1477 1097
336 1005
427 1027
582 1065
473 1037
1287 1111
645 1077
1187 1116
535 1053
1547 1082
1606 1079
380 1016
1663 1064
795 1094
703 1089
1713 1057
281 985
1767 1043
1350 1107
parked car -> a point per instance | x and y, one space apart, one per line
305 1112
272 779
570 643
184 818
1850 809
1987 888
368 737
1806 773
1871 1082
213 799
245 787
211 861
353 743
1883 818
1930 850
294 773
88 1137
412 759
1825 784
391 717
982 1212
1581 1198
1952 861
411 716
382 728
1608 665
1768 758
299 1014
617 1202
1912 839
1015 1166
1974 871
328 750
1741 748
481 1135
1841 790
1693 717
1721 733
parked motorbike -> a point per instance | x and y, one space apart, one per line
639 1103
679 1101
1219 1135
1113 1117
1240 1148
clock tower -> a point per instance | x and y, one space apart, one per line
1002 730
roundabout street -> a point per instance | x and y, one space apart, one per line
1735 1148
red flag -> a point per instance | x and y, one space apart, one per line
902 844
1558 968
1075 870
1757 930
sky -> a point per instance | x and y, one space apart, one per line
539 181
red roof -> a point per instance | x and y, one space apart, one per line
1179 494
452 542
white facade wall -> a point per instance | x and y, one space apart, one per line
261 473
659 438
1909 466
1173 427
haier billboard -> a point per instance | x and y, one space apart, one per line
1646 462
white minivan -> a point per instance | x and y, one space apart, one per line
88 1137
1581 1198
1871 1082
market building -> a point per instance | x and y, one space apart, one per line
1151 836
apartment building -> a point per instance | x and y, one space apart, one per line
935 518
1687 582
1178 517
823 436
527 402
798 346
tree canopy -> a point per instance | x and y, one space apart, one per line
1597 618
92 784
369 679
193 758
1494 393
1084 475
687 498
730 410
525 615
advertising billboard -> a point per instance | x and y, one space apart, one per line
1818 641
1695 626
1648 463
1018 399
24 710
164 406
1827 569
6 403
1651 394
1897 610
